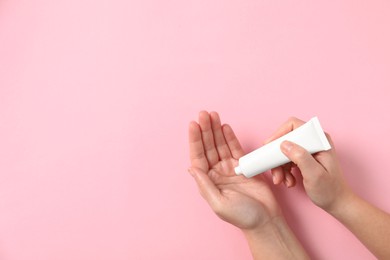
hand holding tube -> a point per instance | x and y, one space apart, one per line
322 176
324 184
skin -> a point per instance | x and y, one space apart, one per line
326 187
248 204
321 172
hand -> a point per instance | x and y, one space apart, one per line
214 152
322 176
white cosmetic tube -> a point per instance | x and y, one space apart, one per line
309 135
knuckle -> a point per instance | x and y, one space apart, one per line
292 119
299 153
294 122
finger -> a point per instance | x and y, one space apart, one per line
329 139
308 166
333 148
220 142
207 188
232 142
197 155
291 124
328 158
208 138
289 179
277 175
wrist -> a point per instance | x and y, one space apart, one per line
274 240
271 227
345 199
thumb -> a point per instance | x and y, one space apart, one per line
206 186
308 166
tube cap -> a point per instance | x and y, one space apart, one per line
238 170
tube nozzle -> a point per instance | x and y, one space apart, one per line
238 170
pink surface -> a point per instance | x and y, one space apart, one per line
96 96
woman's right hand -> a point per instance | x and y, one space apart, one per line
321 172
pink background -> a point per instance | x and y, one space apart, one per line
96 96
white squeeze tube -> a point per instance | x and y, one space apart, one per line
309 135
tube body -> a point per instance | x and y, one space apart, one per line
310 136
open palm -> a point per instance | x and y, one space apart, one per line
214 152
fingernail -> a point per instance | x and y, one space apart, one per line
287 146
274 179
